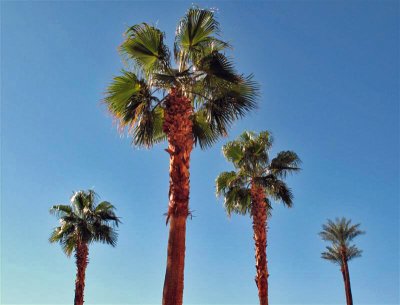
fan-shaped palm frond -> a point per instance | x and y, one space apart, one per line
203 73
145 46
234 187
276 188
250 157
284 163
83 221
204 135
195 35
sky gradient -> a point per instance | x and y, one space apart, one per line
329 76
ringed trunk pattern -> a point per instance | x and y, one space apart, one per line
81 255
259 215
178 128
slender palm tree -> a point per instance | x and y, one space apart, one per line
193 102
340 233
81 223
249 188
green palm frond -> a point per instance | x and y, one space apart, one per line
234 187
224 181
69 243
237 200
195 35
233 152
276 188
284 163
61 210
204 135
218 65
249 154
105 234
204 74
281 192
132 103
225 102
148 131
144 44
127 97
84 221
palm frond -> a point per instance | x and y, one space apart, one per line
218 65
148 130
234 187
195 34
127 97
60 210
353 252
284 163
233 152
84 221
225 102
224 182
105 234
238 200
249 154
132 103
340 232
144 44
276 188
333 255
204 135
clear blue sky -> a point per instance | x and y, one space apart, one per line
329 73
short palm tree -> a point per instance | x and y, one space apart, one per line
81 223
249 188
192 102
340 233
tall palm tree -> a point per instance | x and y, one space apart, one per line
340 233
192 102
81 223
247 190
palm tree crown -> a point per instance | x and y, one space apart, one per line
250 157
340 233
202 73
84 222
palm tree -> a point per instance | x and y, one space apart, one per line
340 233
191 103
247 190
81 223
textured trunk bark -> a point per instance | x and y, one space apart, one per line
178 127
347 284
259 214
81 255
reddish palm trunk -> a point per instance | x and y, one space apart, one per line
259 214
81 255
349 296
178 127
345 283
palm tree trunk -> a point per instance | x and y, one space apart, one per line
259 214
81 255
178 127
347 284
